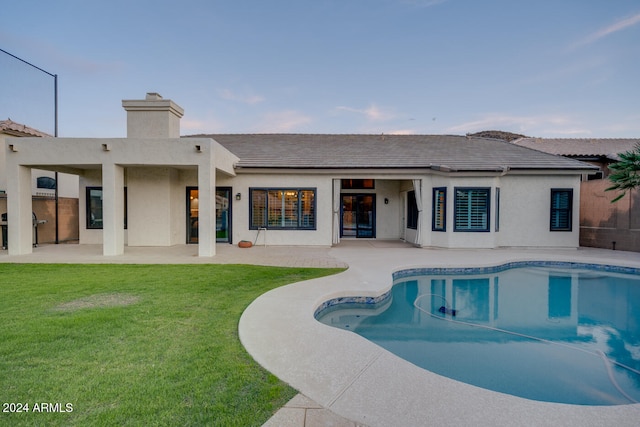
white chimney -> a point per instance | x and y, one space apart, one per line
153 117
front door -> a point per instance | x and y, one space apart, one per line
358 215
223 214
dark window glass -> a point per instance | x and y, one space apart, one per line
358 184
94 207
412 210
46 182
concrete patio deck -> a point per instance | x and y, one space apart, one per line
364 383
344 379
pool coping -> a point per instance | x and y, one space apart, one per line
361 381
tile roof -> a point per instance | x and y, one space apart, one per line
16 129
580 147
444 152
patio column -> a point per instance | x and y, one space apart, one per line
336 211
112 209
206 209
417 188
19 207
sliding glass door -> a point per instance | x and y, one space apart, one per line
223 214
358 215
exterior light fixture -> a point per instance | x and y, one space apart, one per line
238 196
386 200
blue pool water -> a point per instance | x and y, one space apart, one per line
565 333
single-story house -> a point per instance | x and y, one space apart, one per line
155 188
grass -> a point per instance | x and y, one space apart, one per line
132 345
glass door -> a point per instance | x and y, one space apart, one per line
192 214
223 214
358 215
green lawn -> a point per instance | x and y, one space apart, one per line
137 345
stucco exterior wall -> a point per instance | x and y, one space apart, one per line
156 205
525 209
67 183
321 236
524 212
91 178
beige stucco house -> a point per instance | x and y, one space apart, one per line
155 188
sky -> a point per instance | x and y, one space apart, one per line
544 68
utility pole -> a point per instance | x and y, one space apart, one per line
55 125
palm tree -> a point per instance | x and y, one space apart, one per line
625 172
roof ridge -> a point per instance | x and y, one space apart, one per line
11 126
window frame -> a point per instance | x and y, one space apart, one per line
554 210
457 206
435 203
497 205
412 210
299 208
46 182
358 184
88 208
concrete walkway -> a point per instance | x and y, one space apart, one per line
344 379
285 256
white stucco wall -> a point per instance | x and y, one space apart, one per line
150 203
90 178
525 208
524 212
156 195
67 183
321 236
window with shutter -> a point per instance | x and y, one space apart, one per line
561 209
439 213
471 209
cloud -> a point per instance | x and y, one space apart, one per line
614 28
244 98
372 113
283 121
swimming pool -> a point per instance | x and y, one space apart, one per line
557 332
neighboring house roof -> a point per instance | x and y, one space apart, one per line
12 128
583 148
439 152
